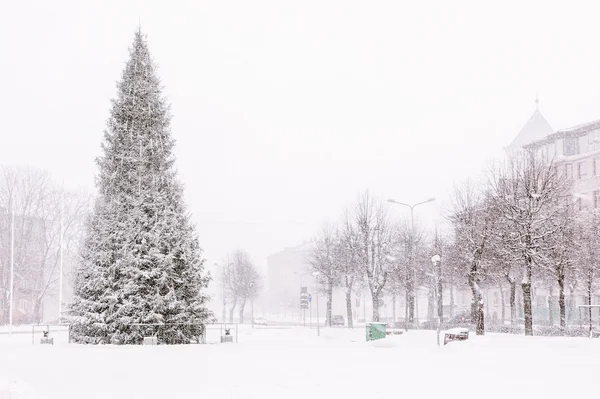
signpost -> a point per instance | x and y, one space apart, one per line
304 302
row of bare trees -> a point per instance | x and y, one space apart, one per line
365 249
524 225
519 227
241 282
42 211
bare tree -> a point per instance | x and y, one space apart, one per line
348 266
408 244
529 194
42 211
588 265
504 262
375 236
473 220
325 258
241 280
558 254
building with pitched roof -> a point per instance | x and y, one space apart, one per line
575 150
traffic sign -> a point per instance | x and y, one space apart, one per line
309 298
303 298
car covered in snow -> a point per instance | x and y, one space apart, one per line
337 320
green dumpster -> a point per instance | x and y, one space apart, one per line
375 331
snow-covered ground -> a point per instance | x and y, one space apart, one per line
295 363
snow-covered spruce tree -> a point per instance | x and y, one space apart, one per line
141 262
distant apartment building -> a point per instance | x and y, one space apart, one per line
576 153
290 269
287 271
575 150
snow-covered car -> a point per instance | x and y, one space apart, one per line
337 320
260 321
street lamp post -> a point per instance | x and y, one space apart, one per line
316 274
410 289
437 260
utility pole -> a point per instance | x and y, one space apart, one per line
316 274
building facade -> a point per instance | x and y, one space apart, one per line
576 151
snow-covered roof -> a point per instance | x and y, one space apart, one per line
536 128
583 128
574 131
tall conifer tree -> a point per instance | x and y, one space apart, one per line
141 263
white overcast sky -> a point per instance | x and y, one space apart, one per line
284 110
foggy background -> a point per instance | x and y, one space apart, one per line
283 112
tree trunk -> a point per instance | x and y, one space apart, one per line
589 294
477 315
477 309
451 299
375 298
513 304
430 304
242 305
502 304
329 304
527 309
411 297
550 315
349 307
37 312
417 308
561 301
571 302
232 310
394 308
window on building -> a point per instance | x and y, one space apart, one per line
496 298
551 150
597 199
581 170
569 170
594 139
571 146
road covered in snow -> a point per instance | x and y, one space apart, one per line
271 363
